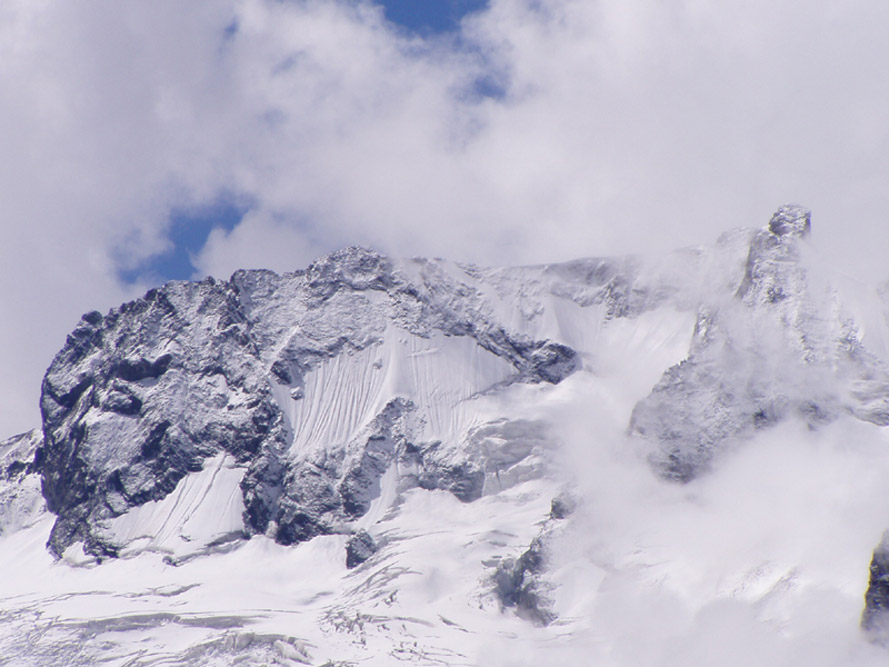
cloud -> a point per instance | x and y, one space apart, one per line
618 129
258 242
539 131
763 561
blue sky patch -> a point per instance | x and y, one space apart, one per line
189 230
430 16
489 86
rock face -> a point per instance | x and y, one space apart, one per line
875 619
139 398
360 547
519 583
778 348
791 220
20 498
314 382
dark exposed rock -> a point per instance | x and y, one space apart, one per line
462 479
563 506
517 584
353 268
133 370
360 482
359 548
875 619
121 399
310 497
521 583
551 362
494 456
125 418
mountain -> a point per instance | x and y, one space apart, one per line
790 347
629 461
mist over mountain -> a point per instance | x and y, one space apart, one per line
640 460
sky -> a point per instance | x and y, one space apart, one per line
147 141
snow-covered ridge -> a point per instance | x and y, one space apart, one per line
317 381
294 375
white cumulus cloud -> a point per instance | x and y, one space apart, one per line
538 132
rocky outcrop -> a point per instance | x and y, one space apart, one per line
137 399
359 548
517 585
520 583
316 495
791 220
316 383
875 619
20 497
260 369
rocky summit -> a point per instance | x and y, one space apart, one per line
374 460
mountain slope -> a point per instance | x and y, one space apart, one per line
374 460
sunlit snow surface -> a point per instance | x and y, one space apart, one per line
764 561
440 373
204 509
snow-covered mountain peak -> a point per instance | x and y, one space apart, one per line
315 382
374 459
774 271
783 346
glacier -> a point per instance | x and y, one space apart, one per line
669 460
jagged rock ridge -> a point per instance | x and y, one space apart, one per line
143 396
